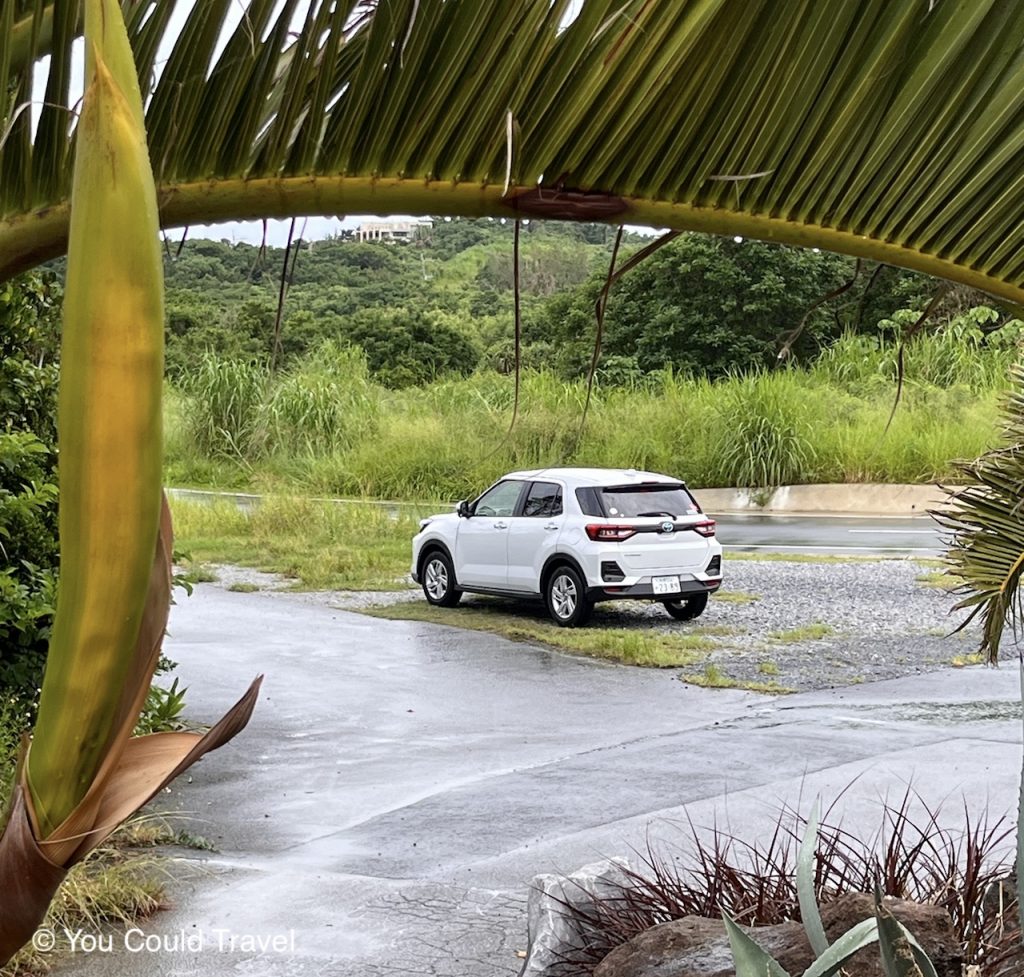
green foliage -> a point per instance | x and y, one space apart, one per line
419 309
28 493
444 303
450 438
163 709
708 305
325 403
974 349
405 348
321 545
15 721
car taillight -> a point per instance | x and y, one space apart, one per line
609 534
706 528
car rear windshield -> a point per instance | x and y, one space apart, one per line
648 500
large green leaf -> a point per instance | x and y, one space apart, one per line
748 958
805 866
888 129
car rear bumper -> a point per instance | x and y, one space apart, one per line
645 591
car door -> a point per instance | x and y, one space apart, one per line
532 535
481 548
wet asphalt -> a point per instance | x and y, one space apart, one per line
401 782
917 536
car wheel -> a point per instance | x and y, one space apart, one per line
439 580
566 598
687 608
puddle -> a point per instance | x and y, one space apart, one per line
946 713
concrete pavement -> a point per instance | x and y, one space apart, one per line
402 782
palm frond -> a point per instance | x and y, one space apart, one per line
986 521
885 129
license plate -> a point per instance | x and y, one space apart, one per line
665 585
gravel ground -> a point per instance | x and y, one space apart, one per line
793 624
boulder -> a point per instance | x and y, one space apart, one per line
930 926
698 947
552 933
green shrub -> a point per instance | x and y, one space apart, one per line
28 493
326 428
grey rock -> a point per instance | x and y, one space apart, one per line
698 947
929 925
551 930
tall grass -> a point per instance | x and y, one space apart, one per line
225 397
326 429
766 422
320 544
327 403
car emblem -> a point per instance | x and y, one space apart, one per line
667 527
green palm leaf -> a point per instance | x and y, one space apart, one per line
881 128
986 521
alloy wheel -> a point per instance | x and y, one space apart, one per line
564 596
436 579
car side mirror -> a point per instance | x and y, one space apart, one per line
462 509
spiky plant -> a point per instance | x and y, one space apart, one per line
985 519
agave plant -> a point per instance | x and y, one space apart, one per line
84 773
902 955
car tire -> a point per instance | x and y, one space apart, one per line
439 580
566 598
687 608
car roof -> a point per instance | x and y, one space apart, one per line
595 476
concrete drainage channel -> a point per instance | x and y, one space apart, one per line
857 499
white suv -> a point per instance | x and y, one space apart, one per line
574 536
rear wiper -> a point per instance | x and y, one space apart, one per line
660 512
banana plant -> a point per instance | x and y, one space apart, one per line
83 772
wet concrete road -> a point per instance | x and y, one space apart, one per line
402 782
863 535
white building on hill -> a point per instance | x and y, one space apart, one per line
389 230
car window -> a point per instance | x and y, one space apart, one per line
648 500
543 499
500 500
590 504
